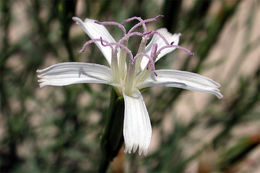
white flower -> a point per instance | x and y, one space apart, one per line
128 74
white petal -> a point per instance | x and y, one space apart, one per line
95 31
137 126
182 79
159 41
74 72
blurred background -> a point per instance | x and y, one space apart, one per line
58 129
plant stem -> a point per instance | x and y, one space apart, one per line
112 138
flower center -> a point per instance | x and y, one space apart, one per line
127 72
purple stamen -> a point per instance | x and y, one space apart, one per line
143 22
112 23
147 33
119 45
127 36
131 19
151 62
91 41
159 16
175 46
136 18
160 35
140 55
153 52
106 43
103 44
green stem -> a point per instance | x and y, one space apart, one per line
112 138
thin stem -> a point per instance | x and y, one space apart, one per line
112 138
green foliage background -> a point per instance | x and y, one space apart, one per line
58 129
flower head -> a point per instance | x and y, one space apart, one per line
129 73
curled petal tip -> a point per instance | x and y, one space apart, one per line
76 19
39 75
135 148
220 96
142 151
41 85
